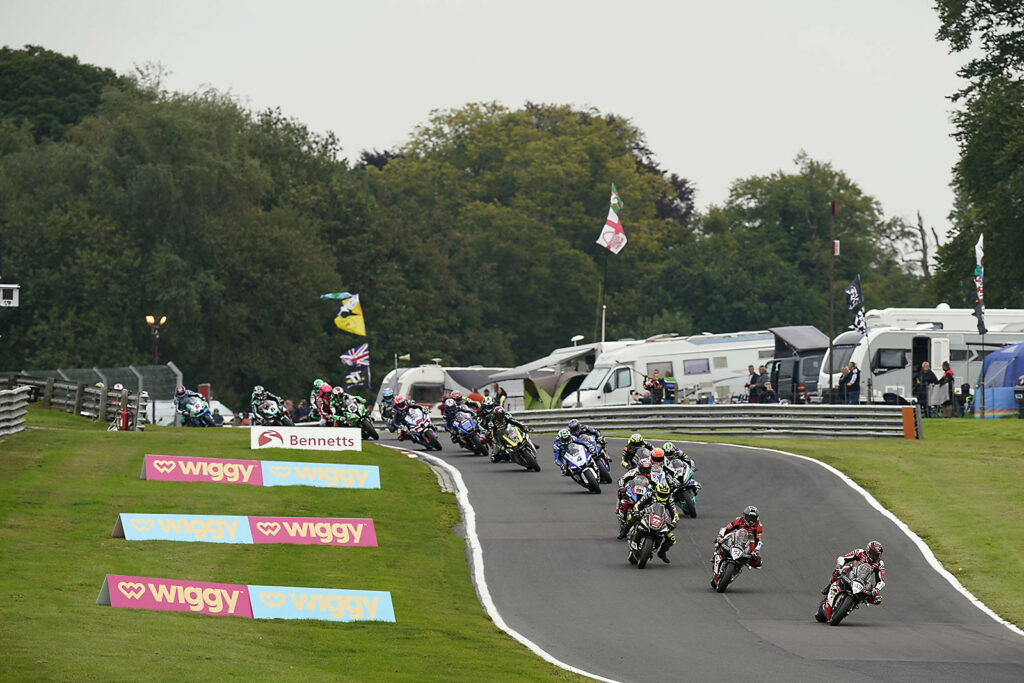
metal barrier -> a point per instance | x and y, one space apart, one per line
13 406
753 419
79 398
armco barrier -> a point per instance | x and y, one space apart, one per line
772 419
78 398
13 406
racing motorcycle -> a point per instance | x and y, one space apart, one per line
196 413
467 433
731 556
581 467
635 490
600 457
519 448
649 533
270 412
354 414
684 487
847 592
420 429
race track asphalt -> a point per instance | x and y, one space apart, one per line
559 577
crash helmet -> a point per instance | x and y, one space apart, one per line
338 392
179 391
750 514
487 402
564 435
317 382
671 450
575 426
258 391
99 385
118 387
449 404
658 457
644 466
457 396
399 401
635 439
874 550
500 414
387 393
662 492
326 389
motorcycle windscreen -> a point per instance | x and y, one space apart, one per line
577 455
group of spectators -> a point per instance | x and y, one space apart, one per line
759 386
923 384
654 391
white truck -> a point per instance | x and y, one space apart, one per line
705 367
899 340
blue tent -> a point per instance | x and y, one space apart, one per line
1001 371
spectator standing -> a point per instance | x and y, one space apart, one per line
948 381
499 395
924 381
853 385
656 387
762 379
769 395
218 419
301 413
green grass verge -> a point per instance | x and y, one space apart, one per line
64 480
961 489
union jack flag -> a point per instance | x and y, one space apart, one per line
360 355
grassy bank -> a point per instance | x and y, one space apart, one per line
961 489
64 480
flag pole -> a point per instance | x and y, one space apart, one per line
604 293
831 288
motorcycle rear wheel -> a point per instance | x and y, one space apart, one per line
689 504
645 552
606 477
819 616
840 612
725 578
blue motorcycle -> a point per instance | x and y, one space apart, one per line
467 433
196 413
581 466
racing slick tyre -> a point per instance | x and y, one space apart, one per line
645 552
844 608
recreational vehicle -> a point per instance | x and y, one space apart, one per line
796 366
705 367
426 385
900 339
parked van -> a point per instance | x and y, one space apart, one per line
900 339
704 367
799 350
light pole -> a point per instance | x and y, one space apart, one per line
576 339
154 326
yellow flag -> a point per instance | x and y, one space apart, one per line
350 316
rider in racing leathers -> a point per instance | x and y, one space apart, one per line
259 395
635 443
634 476
400 408
872 555
496 426
320 403
386 398
561 445
659 493
749 521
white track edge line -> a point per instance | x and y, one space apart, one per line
929 556
477 553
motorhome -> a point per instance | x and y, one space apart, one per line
426 385
705 368
899 340
794 370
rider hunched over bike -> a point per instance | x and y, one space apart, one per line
259 395
319 400
750 521
576 428
400 409
496 425
660 493
387 397
673 452
181 398
561 446
872 555
635 443
631 477
450 410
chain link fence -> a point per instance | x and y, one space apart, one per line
156 380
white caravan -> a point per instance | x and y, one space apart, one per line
426 385
900 339
706 367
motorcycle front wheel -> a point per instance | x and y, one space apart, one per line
591 482
369 432
725 577
529 459
689 504
840 612
645 552
432 442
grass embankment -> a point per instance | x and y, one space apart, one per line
961 489
64 480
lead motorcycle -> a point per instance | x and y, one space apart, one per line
848 591
731 556
518 447
600 457
685 488
270 412
420 430
636 489
581 467
650 532
196 413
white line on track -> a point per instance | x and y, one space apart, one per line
477 554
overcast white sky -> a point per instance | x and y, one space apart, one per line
723 90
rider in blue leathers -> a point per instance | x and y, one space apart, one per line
561 445
181 397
